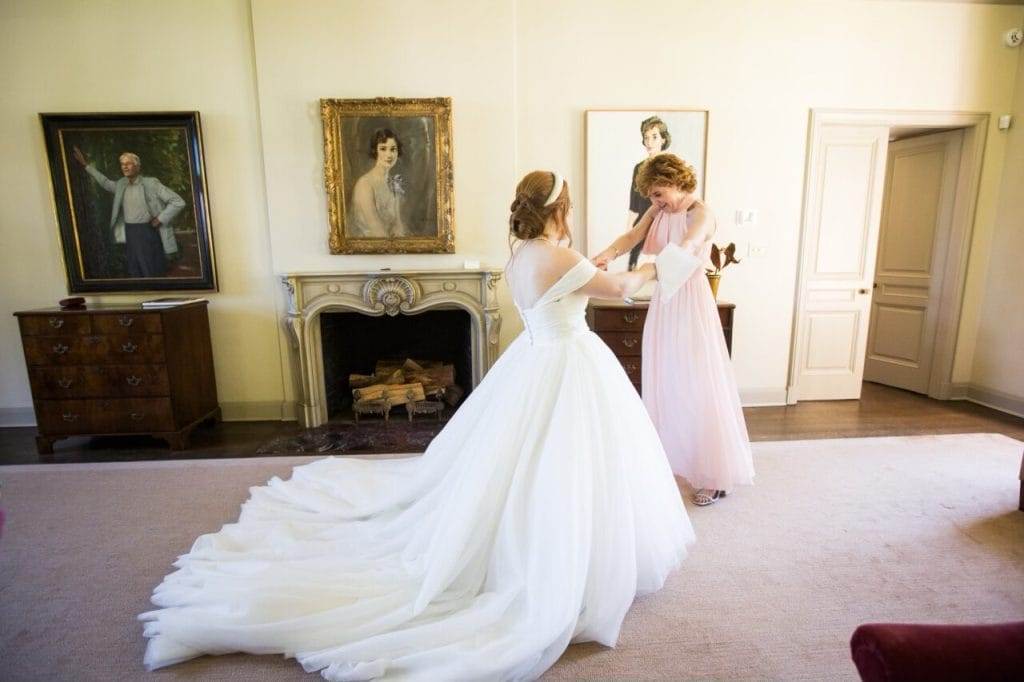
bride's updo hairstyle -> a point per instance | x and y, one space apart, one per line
665 170
529 215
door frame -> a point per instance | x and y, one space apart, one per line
975 126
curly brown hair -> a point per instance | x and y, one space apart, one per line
529 215
665 170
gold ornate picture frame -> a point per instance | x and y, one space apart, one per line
388 174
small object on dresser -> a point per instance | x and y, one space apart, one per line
168 302
73 303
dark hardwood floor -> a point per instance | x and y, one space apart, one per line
881 411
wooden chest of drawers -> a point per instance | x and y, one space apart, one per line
119 370
621 326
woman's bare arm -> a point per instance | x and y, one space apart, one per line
619 284
625 242
700 228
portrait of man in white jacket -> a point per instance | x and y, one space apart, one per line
141 216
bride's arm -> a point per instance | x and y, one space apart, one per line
628 240
619 284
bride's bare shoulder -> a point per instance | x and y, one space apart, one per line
549 257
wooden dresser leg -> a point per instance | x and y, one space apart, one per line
44 445
177 441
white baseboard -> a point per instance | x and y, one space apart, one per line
258 411
762 397
17 416
997 400
958 391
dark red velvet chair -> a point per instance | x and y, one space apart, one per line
895 652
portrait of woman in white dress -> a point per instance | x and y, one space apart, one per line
376 209
388 175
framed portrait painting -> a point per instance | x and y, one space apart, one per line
618 141
388 174
131 201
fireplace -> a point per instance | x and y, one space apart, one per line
337 320
354 343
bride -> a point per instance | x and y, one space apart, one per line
532 520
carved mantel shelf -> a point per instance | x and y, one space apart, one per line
377 293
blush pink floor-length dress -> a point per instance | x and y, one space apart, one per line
689 387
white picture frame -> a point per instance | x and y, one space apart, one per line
614 146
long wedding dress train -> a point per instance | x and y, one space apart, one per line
532 520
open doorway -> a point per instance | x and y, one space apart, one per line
883 305
913 243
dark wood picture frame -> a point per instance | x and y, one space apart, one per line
103 254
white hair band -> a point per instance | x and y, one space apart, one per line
556 189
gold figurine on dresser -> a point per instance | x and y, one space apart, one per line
117 370
621 326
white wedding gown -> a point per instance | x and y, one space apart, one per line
532 520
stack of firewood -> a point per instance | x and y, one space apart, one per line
409 380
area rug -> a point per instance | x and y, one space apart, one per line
371 436
833 534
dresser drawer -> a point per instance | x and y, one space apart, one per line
623 343
125 323
99 381
94 350
619 319
55 325
126 415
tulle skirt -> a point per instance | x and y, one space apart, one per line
532 520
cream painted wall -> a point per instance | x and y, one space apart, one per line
399 48
999 353
521 73
759 67
137 56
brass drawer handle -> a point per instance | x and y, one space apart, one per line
60 348
65 383
56 322
629 343
630 318
70 417
126 320
128 347
136 416
133 380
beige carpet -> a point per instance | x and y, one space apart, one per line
835 533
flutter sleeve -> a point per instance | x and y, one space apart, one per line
675 265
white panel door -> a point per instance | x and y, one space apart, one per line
916 218
845 182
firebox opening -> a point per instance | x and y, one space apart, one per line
354 343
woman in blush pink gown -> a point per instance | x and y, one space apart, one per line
689 386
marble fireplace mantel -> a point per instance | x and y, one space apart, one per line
377 293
